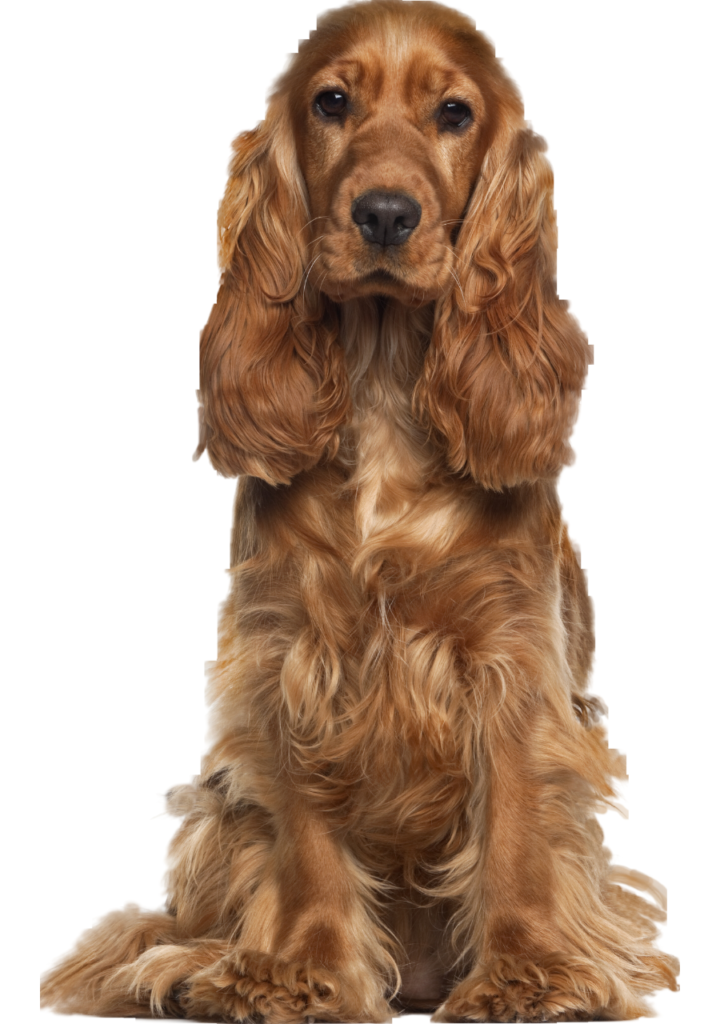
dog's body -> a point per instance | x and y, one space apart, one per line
401 792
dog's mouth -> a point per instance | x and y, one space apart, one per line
413 275
379 282
381 275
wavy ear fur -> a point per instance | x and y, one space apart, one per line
506 364
273 389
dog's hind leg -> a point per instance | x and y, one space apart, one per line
137 963
130 964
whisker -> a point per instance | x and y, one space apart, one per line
322 216
455 256
306 275
457 282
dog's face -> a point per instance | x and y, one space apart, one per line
391 129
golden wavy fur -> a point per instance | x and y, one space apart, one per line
399 802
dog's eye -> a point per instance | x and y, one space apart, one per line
331 103
455 114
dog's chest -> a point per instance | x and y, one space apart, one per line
388 475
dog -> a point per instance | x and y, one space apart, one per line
398 807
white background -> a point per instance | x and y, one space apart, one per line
119 122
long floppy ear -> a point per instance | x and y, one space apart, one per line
506 363
273 388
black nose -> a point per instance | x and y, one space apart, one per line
388 218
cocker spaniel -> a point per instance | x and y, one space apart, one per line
398 807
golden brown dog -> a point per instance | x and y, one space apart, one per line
400 799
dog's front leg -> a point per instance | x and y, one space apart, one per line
549 937
308 947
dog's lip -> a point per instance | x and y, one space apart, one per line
382 275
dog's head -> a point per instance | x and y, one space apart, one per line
393 109
380 130
394 161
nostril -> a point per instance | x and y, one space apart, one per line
386 218
365 217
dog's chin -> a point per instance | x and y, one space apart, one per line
381 283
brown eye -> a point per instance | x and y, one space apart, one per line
331 103
455 114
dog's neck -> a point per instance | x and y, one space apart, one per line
386 450
384 342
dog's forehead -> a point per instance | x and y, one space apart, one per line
398 63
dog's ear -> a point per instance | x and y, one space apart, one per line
273 389
507 361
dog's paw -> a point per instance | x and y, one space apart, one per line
551 988
250 986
